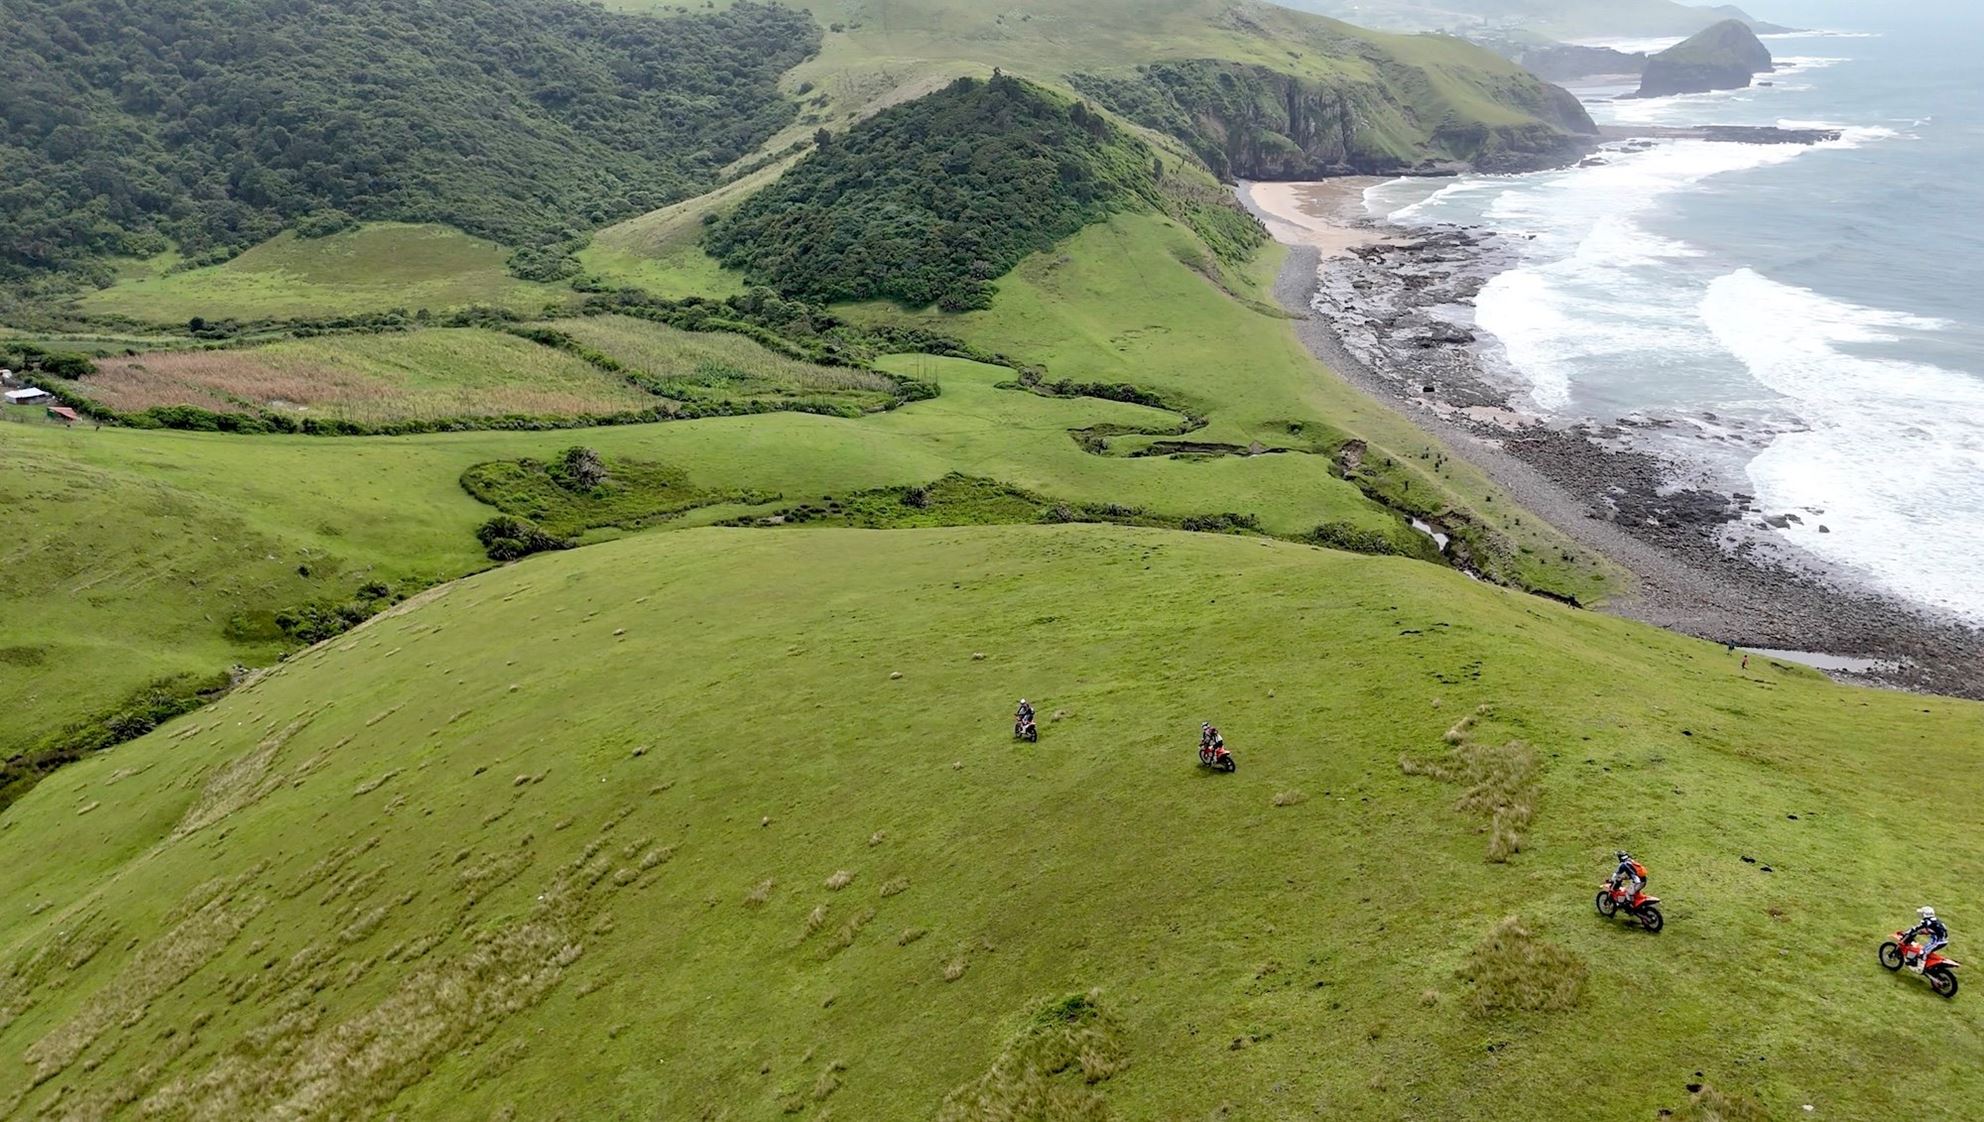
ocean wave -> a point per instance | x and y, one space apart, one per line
1892 462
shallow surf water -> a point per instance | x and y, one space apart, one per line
1811 317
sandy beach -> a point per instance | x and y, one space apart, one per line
1327 216
1693 574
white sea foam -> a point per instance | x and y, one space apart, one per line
1894 456
1599 288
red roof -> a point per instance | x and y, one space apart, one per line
63 412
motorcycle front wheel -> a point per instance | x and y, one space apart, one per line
1605 904
1890 956
1942 979
1652 920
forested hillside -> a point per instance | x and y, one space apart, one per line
928 202
131 126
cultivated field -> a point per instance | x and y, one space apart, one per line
426 374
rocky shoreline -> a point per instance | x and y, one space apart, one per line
1391 315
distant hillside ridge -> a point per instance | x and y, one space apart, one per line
1563 19
1254 122
930 201
207 126
1725 57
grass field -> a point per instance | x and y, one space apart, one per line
375 268
685 845
431 373
715 366
1128 301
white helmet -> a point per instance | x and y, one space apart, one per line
1926 912
1022 701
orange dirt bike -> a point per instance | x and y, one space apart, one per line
1612 899
1216 757
1938 971
1025 729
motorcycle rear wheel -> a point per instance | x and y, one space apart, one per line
1941 979
1605 904
1890 956
1652 920
1227 765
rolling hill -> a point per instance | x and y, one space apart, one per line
729 823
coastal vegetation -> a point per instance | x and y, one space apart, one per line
138 129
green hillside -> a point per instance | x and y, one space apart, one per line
928 201
191 578
730 824
134 128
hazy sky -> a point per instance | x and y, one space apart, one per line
1850 13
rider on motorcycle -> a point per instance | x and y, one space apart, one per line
1938 935
1209 736
1630 874
1024 713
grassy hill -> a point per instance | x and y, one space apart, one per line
682 844
138 128
1139 300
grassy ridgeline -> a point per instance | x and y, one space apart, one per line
652 828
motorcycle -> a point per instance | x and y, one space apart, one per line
1612 899
1025 729
1216 757
1938 971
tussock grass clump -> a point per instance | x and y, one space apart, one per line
1289 798
841 879
844 938
1513 970
954 969
1049 1070
910 935
1501 783
895 886
815 920
757 896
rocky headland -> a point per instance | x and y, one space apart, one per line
1727 56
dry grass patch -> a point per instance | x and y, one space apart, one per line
1290 798
1501 781
1049 1070
1513 970
840 880
757 896
894 887
409 375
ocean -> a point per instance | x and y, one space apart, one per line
1803 324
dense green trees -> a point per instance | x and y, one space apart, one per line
927 202
129 125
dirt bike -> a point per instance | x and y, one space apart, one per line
1612 899
1216 757
1025 729
1938 971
